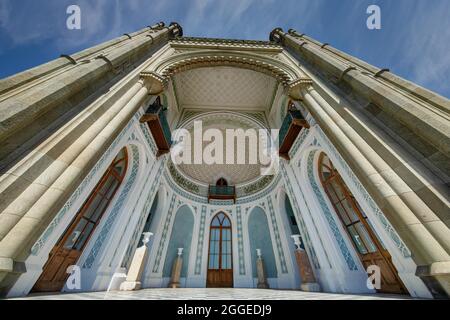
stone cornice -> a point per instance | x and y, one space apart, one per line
226 43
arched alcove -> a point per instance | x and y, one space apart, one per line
181 237
259 235
150 216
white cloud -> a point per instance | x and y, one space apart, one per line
421 45
4 13
416 48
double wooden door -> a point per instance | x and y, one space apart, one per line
220 257
71 244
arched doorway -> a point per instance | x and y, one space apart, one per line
220 256
355 222
71 244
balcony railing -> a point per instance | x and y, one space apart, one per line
156 119
222 193
293 123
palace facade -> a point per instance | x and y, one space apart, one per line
87 177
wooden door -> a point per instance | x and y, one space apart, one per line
220 257
366 242
71 244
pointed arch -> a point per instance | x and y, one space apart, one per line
220 252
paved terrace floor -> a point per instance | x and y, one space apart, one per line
213 294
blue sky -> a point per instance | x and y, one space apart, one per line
414 41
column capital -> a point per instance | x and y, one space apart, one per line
155 83
294 88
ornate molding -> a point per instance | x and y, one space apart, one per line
155 83
192 62
230 43
294 88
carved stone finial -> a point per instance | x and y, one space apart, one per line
297 241
258 253
147 236
178 30
275 35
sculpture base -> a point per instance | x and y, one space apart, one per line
310 287
262 279
176 273
263 286
174 285
130 286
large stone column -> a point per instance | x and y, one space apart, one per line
425 234
33 190
387 103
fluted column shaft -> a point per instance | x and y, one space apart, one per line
425 235
34 189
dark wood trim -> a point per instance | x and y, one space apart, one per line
213 196
220 228
43 286
155 126
294 130
326 184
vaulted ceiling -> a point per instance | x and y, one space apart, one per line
224 88
235 174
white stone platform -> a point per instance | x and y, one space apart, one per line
213 294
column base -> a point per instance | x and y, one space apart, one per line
130 286
264 285
310 287
436 277
174 285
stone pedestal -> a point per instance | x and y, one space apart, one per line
119 277
309 282
262 278
133 281
176 270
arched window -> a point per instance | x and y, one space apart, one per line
369 247
346 206
71 244
222 182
